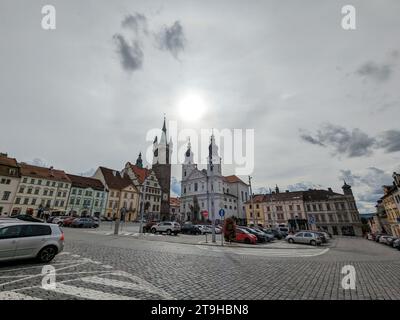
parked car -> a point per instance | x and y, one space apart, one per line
84 223
27 217
204 229
22 240
148 225
377 237
218 229
396 244
383 239
58 220
243 235
103 218
284 230
261 237
304 237
169 227
189 228
68 221
276 233
390 240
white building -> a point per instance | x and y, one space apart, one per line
209 190
41 190
9 180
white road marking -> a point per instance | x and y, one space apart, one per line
137 284
64 253
11 295
287 253
88 293
107 266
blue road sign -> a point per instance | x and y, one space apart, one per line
311 219
221 212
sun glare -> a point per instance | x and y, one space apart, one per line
191 107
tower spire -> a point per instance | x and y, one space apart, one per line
164 128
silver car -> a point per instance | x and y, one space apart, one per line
169 227
22 240
304 237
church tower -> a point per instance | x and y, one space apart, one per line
162 168
213 159
188 165
139 161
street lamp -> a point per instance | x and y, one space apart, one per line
296 217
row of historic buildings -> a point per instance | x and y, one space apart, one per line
35 190
387 216
311 209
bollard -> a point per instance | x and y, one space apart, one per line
116 226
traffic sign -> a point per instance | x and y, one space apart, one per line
205 213
311 219
221 212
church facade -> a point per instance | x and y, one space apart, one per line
209 190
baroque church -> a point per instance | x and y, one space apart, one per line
208 190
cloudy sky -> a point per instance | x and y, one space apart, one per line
324 102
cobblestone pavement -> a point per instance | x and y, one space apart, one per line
97 266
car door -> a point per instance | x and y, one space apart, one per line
33 238
298 237
308 237
9 236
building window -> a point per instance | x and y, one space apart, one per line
33 202
37 191
328 207
29 191
18 200
298 208
48 183
62 203
26 200
45 192
39 182
48 203
78 201
6 195
21 189
73 191
195 186
51 193
24 180
314 206
59 194
71 201
308 207
291 207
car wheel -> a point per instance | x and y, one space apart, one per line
291 241
247 241
153 230
47 254
313 242
169 232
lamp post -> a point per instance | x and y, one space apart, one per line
296 217
142 207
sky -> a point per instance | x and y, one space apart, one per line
323 101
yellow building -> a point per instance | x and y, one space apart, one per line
391 208
255 215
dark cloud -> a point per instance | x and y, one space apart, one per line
375 71
172 39
310 139
390 141
131 56
353 143
303 186
137 22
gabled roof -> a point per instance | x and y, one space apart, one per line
85 182
173 201
233 179
6 161
44 173
141 173
114 180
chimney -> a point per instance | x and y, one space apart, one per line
330 189
3 154
114 173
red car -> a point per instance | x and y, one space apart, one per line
68 221
244 236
